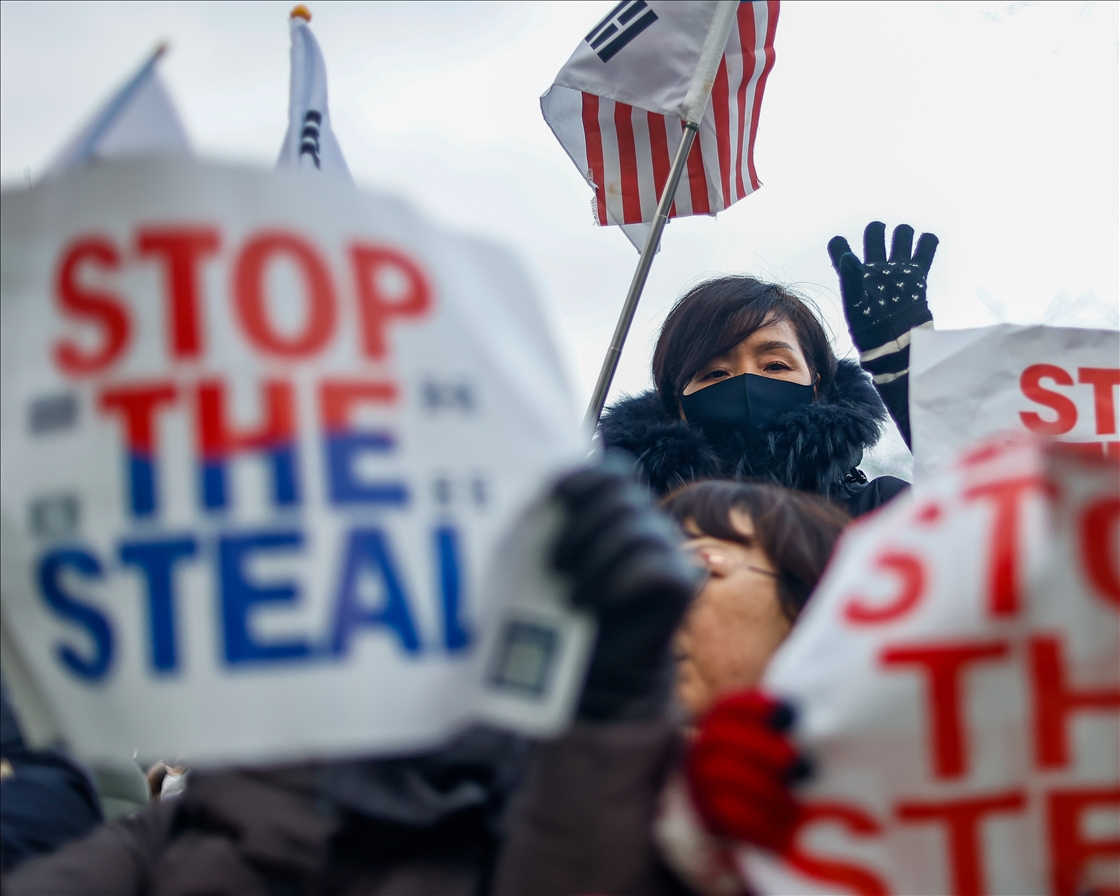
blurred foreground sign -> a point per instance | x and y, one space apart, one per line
958 676
1052 381
260 435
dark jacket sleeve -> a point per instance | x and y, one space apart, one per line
896 396
889 367
115 859
875 494
46 799
45 802
582 821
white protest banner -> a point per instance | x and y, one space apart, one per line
966 385
957 676
261 435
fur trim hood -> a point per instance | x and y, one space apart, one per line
814 448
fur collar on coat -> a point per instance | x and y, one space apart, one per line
814 448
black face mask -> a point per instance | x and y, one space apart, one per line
745 403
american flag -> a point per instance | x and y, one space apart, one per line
625 150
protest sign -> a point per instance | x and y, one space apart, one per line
1052 381
957 676
261 434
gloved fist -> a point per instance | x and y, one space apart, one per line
623 558
741 767
884 299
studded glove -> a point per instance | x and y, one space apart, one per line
884 300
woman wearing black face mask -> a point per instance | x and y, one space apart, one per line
748 387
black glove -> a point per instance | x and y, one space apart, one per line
624 561
883 298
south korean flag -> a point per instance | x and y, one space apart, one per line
621 102
310 144
625 22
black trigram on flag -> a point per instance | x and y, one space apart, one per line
625 22
309 138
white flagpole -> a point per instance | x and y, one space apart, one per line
622 328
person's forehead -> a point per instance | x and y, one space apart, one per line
773 331
729 550
740 519
773 334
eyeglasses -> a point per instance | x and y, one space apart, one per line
765 572
710 559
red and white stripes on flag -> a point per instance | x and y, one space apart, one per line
625 151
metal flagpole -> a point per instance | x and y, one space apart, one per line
610 362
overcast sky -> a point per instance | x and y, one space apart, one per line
993 125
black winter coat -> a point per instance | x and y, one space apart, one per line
421 824
45 799
815 448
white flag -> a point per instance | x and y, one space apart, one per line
140 119
310 142
620 104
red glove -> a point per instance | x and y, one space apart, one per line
740 769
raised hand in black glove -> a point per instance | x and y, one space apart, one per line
624 561
884 299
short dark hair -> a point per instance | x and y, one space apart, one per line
796 530
715 316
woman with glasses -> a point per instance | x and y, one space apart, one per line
619 819
764 549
